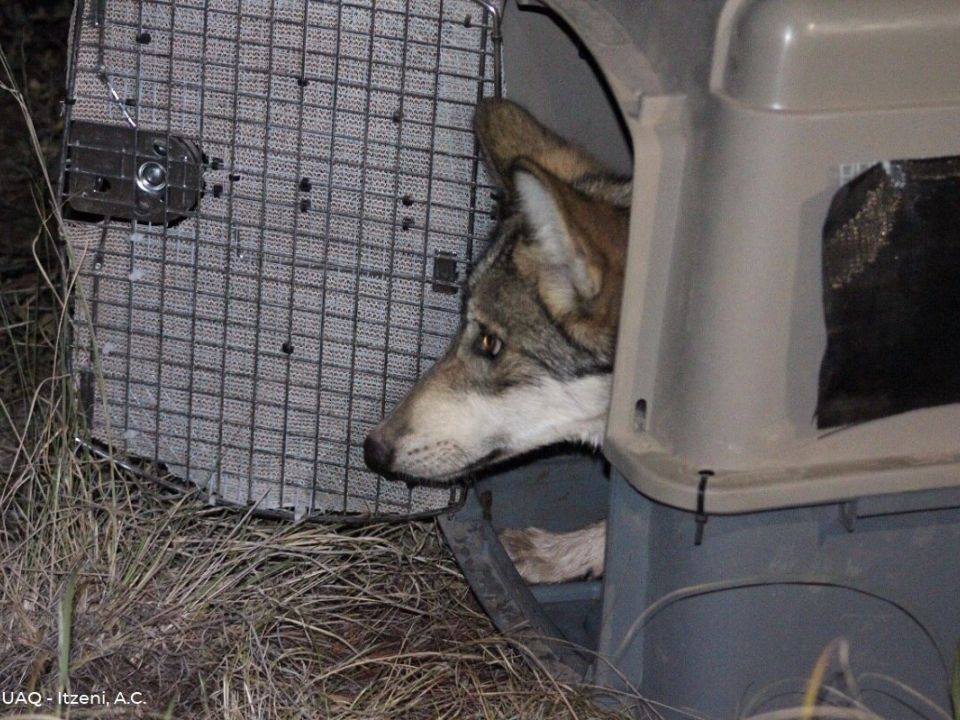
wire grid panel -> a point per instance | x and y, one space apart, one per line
251 346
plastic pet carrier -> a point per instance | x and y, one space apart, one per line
782 455
271 207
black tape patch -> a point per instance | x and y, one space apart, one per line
891 292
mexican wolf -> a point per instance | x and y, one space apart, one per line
532 363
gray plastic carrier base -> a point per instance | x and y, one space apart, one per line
732 626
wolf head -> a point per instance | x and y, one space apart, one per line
531 365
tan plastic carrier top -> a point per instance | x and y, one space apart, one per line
744 127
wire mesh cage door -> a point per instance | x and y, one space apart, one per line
271 206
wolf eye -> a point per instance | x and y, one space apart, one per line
489 344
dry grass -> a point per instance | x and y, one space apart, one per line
111 586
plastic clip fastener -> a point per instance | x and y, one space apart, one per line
701 517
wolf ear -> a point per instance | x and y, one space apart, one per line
568 272
507 132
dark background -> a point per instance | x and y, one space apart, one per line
33 38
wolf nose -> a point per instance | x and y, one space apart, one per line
376 453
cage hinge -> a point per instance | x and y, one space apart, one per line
131 173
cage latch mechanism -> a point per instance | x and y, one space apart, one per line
445 272
131 173
701 517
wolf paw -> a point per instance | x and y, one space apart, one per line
541 556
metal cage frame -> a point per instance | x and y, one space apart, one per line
149 288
